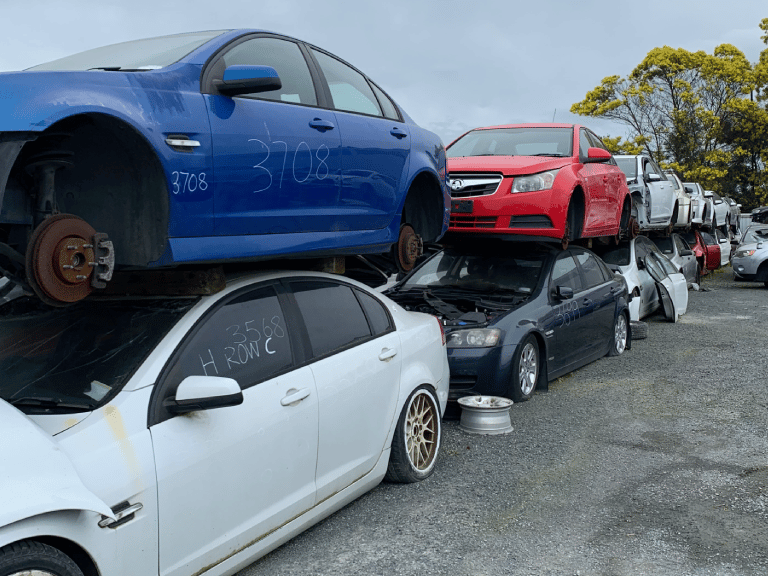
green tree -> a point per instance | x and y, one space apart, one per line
700 114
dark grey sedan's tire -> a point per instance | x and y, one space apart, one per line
525 370
29 557
639 330
620 335
417 438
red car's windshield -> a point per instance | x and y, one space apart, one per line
526 141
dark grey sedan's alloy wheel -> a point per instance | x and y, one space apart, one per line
525 369
620 333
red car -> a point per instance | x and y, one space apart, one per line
542 181
706 249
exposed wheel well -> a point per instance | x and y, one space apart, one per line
78 555
675 213
577 202
424 207
762 272
112 179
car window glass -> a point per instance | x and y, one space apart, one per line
349 89
596 142
378 317
681 244
655 268
390 111
583 143
245 339
565 272
593 275
707 238
332 315
286 58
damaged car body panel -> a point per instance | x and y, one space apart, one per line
517 315
196 150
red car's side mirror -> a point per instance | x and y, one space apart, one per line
597 155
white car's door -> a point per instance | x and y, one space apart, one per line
662 192
670 284
357 371
725 247
228 476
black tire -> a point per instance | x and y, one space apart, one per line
28 555
526 369
639 330
620 336
570 228
417 438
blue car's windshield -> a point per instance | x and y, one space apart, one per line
147 54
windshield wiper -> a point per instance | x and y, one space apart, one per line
553 155
47 403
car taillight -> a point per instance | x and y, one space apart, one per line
442 330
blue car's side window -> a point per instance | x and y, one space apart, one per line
349 89
286 58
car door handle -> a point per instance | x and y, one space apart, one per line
397 133
587 302
321 125
294 396
387 353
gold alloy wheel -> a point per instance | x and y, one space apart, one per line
422 430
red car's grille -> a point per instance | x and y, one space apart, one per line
469 185
472 221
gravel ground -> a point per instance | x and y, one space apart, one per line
651 463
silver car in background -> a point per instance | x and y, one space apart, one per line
750 259
654 203
677 251
701 211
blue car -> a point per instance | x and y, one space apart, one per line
518 314
208 147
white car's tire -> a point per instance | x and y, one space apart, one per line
416 442
30 557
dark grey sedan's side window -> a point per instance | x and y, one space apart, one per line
565 273
593 274
286 58
332 315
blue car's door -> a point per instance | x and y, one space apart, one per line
376 144
597 302
277 157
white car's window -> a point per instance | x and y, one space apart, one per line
378 317
349 89
332 315
286 58
246 339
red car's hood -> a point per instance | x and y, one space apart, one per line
508 165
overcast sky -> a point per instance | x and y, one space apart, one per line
451 65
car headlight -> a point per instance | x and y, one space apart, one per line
476 338
535 182
744 253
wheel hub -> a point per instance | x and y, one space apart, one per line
409 247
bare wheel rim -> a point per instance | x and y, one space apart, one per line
529 369
421 431
620 334
33 573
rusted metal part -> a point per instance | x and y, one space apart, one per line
60 259
193 282
104 260
408 248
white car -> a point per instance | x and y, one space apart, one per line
683 217
677 251
724 241
654 202
191 436
721 216
701 206
652 280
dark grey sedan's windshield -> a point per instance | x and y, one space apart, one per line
76 358
147 54
527 141
479 272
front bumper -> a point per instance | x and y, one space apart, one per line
540 214
479 371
